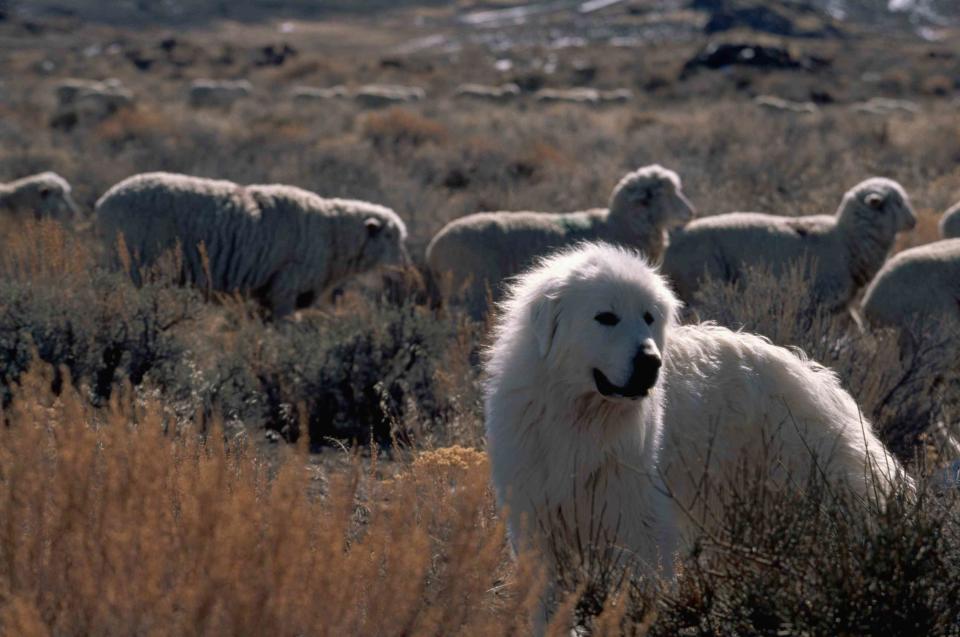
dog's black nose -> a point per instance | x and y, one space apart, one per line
647 359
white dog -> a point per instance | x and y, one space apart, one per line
594 394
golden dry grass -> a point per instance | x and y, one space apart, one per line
115 525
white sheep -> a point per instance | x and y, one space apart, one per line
90 99
950 223
377 95
916 285
309 94
774 103
45 195
474 254
589 96
615 96
218 93
282 245
846 249
502 93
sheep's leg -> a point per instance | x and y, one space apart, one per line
281 293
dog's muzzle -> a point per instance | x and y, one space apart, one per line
646 368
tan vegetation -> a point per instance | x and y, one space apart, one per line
172 464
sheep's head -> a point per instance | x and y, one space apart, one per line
950 223
652 194
880 205
382 239
44 196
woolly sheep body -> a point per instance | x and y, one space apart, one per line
378 95
473 254
91 99
918 284
284 245
846 249
950 223
218 93
502 93
44 195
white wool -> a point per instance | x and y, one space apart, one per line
284 245
473 255
846 249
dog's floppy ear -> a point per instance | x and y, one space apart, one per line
544 316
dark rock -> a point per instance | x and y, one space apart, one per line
456 180
274 55
719 56
766 17
821 97
139 60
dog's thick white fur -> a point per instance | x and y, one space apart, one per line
581 428
568 462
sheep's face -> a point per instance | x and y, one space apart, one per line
45 196
880 204
600 326
654 194
383 242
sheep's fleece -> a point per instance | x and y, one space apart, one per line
284 245
916 285
950 223
42 196
472 255
598 406
845 249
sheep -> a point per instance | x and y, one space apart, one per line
377 95
918 284
502 93
206 93
950 223
774 103
568 96
885 106
615 96
89 99
308 94
477 252
45 195
846 249
280 244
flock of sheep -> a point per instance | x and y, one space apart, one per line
98 99
288 247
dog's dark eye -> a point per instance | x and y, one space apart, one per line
648 318
607 318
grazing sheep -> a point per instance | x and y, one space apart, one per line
308 94
218 93
885 106
90 100
774 103
950 223
475 253
847 248
502 93
568 96
918 284
42 196
615 96
283 245
379 95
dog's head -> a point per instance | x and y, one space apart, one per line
599 316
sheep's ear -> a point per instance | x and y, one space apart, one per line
373 226
874 200
544 316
